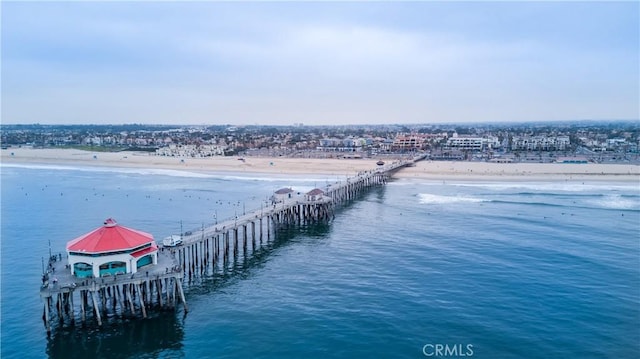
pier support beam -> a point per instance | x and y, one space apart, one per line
159 289
72 315
83 299
181 293
144 311
47 323
130 298
173 293
96 308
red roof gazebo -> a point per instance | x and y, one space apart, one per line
111 249
109 238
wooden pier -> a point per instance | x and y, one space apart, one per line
217 242
66 296
69 298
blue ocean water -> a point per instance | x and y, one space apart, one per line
492 269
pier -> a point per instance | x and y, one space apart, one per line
69 298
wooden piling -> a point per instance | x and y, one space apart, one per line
96 308
83 300
72 315
47 323
159 289
142 306
181 293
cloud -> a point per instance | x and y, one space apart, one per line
313 63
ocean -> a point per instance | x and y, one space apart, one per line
417 268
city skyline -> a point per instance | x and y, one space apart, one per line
319 63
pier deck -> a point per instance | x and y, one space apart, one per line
60 278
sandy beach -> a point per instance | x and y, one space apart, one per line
434 170
444 170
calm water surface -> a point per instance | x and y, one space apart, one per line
508 270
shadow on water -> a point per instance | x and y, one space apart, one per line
242 267
134 338
375 194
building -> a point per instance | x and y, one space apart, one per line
110 250
540 143
575 159
501 159
409 142
341 145
173 150
315 194
282 194
465 143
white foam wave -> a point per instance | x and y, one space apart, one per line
320 182
173 173
552 187
428 198
124 170
616 202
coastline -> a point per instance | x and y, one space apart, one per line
282 166
485 171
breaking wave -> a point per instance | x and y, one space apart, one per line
227 176
428 198
616 201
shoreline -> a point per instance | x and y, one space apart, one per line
283 166
485 171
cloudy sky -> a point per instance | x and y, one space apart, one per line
318 63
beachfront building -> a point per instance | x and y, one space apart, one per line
540 143
110 250
472 143
349 144
408 142
465 143
199 151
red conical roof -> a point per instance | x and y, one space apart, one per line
111 237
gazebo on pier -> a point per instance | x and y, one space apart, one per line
110 250
315 194
282 194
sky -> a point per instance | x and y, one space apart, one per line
318 63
